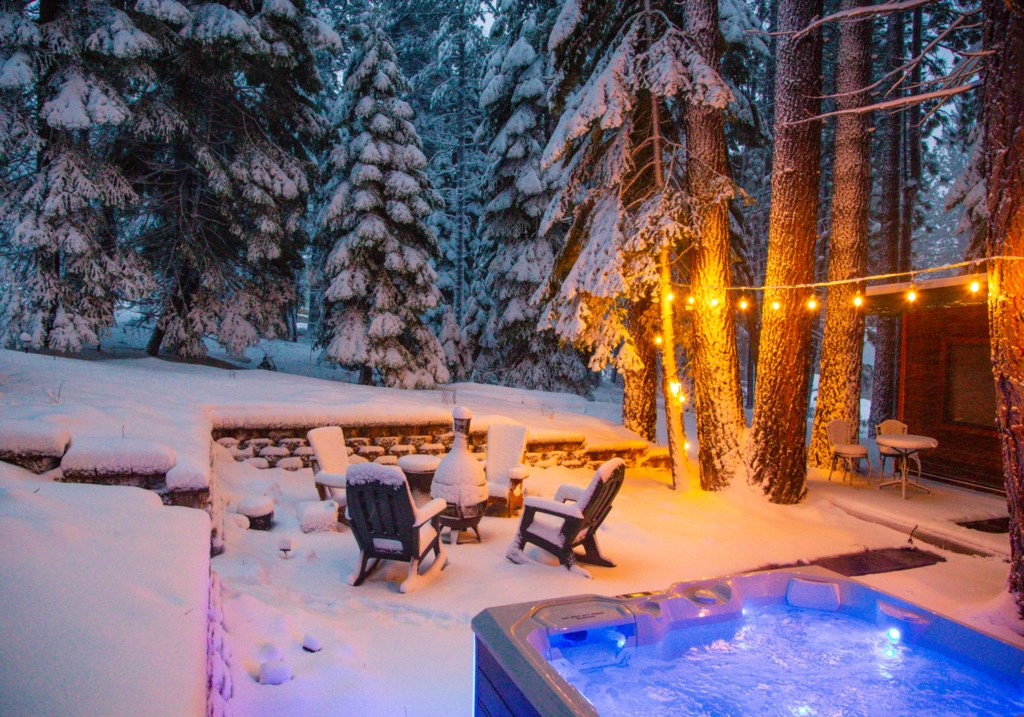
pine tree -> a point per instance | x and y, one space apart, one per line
620 72
380 281
778 461
884 378
1004 145
717 394
516 118
225 168
843 344
68 271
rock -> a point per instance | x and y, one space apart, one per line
418 441
402 449
258 462
228 441
432 449
386 460
388 441
370 452
357 441
275 672
291 463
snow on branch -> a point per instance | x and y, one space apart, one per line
898 103
857 13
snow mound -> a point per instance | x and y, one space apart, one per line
317 516
134 456
22 437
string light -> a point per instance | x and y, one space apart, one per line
686 445
975 287
714 301
690 300
670 296
776 306
743 304
657 340
912 294
858 299
812 303
674 387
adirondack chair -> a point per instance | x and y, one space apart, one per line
506 443
329 462
387 524
571 519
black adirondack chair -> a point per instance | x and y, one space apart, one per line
387 524
571 519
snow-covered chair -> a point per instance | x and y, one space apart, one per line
506 444
892 427
571 519
330 462
843 448
387 524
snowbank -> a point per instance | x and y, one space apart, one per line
98 616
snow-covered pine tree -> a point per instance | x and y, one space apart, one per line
456 166
843 343
620 71
514 101
778 461
80 69
225 168
380 282
1004 144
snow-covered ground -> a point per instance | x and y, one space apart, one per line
390 654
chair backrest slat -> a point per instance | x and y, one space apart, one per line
838 432
891 427
381 507
329 449
599 503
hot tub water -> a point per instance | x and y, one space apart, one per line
784 660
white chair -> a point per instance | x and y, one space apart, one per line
330 462
506 444
892 427
844 449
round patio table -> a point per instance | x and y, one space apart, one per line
905 445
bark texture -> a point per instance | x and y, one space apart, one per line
639 408
1004 142
843 342
717 394
883 385
778 460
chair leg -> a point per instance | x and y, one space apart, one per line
364 571
321 490
592 555
833 468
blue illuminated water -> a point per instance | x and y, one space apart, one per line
781 660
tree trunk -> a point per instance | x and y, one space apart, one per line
843 343
1004 144
778 451
639 407
883 385
718 399
911 153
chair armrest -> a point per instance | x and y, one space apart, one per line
543 505
568 492
428 511
518 473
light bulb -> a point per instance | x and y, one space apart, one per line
812 303
858 300
975 287
743 304
673 386
657 340
686 445
714 302
670 297
690 300
911 296
776 305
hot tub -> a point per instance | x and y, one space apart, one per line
790 642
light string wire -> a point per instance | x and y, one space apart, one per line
838 282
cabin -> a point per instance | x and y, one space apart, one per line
946 389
